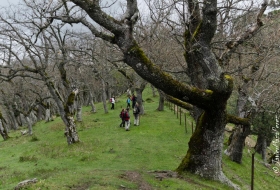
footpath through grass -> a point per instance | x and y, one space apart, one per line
111 158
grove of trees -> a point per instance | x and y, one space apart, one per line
219 59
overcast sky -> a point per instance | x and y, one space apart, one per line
8 2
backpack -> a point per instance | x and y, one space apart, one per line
111 100
121 115
126 116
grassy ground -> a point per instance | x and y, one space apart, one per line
111 158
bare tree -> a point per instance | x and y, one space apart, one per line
42 47
210 86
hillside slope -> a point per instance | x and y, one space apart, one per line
111 158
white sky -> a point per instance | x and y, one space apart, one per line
8 2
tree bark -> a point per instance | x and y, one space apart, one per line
66 112
79 109
104 97
261 146
13 120
204 156
3 130
235 149
48 116
161 101
93 110
70 130
139 90
154 90
29 124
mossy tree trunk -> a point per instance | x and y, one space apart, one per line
67 111
204 155
70 130
210 88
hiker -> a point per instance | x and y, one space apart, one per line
128 102
134 100
122 117
136 112
112 100
127 119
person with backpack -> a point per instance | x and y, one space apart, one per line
128 100
136 112
122 118
134 100
127 119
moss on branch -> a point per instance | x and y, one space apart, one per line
237 120
180 103
152 73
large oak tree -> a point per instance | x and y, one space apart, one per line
210 86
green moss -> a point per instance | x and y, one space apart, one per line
69 103
71 98
196 31
238 120
230 83
195 146
209 91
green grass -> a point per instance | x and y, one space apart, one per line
108 157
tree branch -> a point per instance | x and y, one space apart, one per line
233 44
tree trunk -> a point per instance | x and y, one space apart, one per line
104 97
67 112
204 156
93 110
70 130
154 91
3 131
23 120
235 149
29 124
78 105
33 117
161 101
39 112
139 90
13 121
48 116
261 146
